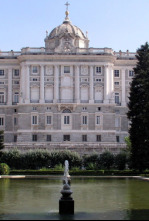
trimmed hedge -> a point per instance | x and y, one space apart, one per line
4 169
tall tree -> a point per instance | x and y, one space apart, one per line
139 111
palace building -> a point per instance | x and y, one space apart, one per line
65 95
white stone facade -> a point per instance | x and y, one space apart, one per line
65 95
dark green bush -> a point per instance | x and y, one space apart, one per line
4 169
90 161
120 161
106 161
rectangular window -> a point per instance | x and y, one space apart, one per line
49 120
98 120
1 82
67 69
15 138
117 83
84 120
16 97
98 80
34 120
66 120
84 138
98 138
98 69
34 137
16 73
84 108
117 98
1 72
131 73
66 138
1 121
35 69
15 121
117 73
1 98
117 139
48 138
35 79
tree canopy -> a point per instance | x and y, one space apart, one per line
138 113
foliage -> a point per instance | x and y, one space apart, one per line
138 113
91 161
120 161
106 160
4 169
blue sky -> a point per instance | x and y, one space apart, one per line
117 24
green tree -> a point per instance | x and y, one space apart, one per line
1 140
138 113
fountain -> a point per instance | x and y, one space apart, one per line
66 203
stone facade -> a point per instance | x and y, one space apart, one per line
66 95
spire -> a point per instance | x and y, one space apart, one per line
67 13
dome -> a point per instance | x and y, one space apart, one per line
66 38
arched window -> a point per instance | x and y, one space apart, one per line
66 111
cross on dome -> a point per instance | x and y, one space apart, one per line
67 4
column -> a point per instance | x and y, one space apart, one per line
91 101
77 84
123 87
42 94
111 82
27 86
106 84
9 102
22 85
56 84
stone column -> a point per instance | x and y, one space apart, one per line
111 82
9 101
42 89
123 87
77 84
91 101
27 86
106 84
56 84
22 80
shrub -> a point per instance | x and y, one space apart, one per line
120 161
90 162
106 160
4 169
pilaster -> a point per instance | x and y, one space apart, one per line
9 102
42 88
77 84
56 84
91 100
123 87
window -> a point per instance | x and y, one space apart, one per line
117 139
1 121
49 138
34 108
48 108
84 120
16 82
66 120
15 138
98 120
35 79
35 69
98 79
84 138
1 72
131 73
34 120
67 69
15 110
84 108
16 73
99 108
98 138
98 69
34 137
117 83
117 73
66 138
15 121
117 98
2 97
49 120
16 97
1 82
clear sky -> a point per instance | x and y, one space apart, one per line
117 24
